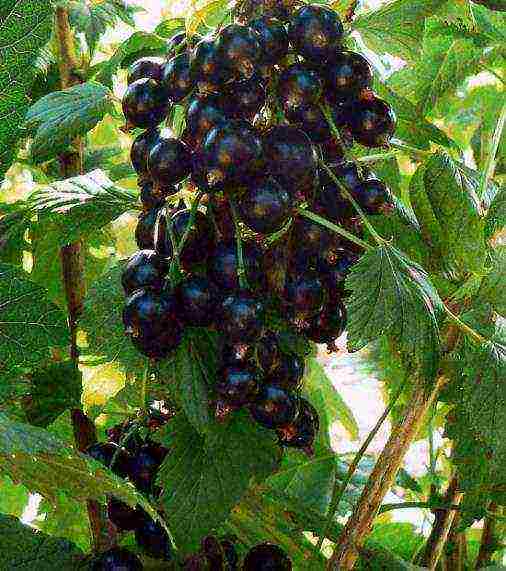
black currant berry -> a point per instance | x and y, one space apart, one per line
373 196
107 453
246 97
302 433
145 230
299 86
371 121
292 159
153 540
177 81
289 373
241 317
144 269
160 344
332 205
312 121
328 325
310 238
204 113
346 172
144 104
141 147
275 407
239 49
223 265
154 197
146 68
346 75
316 32
197 297
238 386
117 559
206 66
143 468
151 313
266 206
335 266
169 161
231 153
273 39
332 151
122 515
305 294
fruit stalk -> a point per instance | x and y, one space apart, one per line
72 261
382 478
241 271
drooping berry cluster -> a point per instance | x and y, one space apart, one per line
267 107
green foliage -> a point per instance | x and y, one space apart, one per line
399 538
23 32
495 220
492 288
59 117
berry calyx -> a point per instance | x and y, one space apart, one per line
144 269
238 386
145 68
302 433
117 559
246 97
144 104
169 161
242 317
274 407
154 197
176 80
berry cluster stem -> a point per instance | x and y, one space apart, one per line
241 271
189 226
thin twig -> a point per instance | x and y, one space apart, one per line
410 505
463 326
241 271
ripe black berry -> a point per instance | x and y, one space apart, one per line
310 238
373 196
305 294
371 121
291 158
153 540
106 452
223 265
145 230
302 433
299 86
289 373
141 147
144 466
169 161
238 386
144 104
312 121
150 313
246 97
328 325
204 113
335 270
242 317
206 66
239 49
273 39
346 172
154 197
275 407
347 74
144 269
315 32
197 297
117 559
266 206
160 344
122 515
176 80
146 68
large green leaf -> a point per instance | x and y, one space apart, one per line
203 478
13 498
400 538
392 295
30 325
26 549
495 220
493 288
25 27
59 117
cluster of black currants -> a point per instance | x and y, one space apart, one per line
268 107
131 455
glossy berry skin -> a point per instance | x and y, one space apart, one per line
159 345
246 98
150 313
336 270
231 153
153 540
310 238
176 80
239 50
273 39
223 266
144 467
346 75
104 453
206 67
197 297
328 325
204 113
371 122
311 120
298 86
117 559
331 204
238 386
241 317
266 206
372 195
144 269
145 230
302 433
146 68
141 147
275 407
122 515
289 373
305 294
144 104
169 161
154 197
346 172
315 32
291 159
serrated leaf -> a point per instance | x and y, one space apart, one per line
204 478
14 221
167 28
392 295
495 221
493 288
25 548
25 27
30 325
397 27
59 117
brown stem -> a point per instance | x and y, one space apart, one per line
72 263
441 528
382 477
456 547
489 543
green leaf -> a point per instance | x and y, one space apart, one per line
492 288
59 117
30 325
495 221
167 28
211 13
14 221
82 205
13 498
204 478
397 27
25 27
392 295
399 538
25 548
